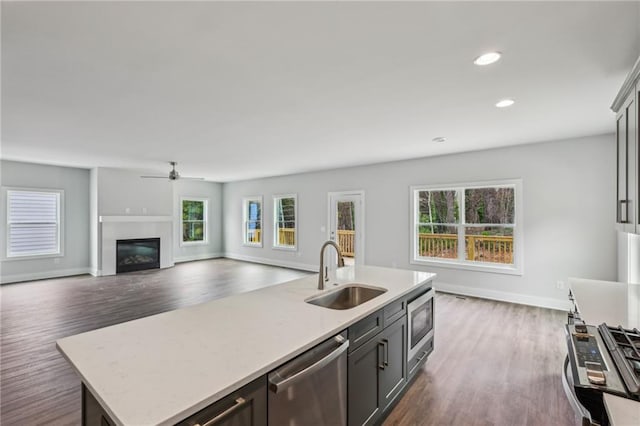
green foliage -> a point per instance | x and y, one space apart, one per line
192 210
193 220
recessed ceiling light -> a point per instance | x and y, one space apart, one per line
487 58
505 103
439 139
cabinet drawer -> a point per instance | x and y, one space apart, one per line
394 310
245 407
365 329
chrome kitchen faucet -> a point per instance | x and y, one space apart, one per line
324 275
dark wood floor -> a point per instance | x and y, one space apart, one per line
494 363
37 386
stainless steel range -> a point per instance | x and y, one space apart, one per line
600 359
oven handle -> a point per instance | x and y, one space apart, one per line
573 399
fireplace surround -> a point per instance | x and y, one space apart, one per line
114 228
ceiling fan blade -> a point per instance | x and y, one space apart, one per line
154 177
190 178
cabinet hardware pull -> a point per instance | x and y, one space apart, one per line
624 203
239 403
381 364
424 354
385 342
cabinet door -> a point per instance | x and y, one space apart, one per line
632 165
635 131
394 374
622 167
363 395
244 407
627 147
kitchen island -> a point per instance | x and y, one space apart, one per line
164 368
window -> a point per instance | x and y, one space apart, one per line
194 221
252 207
33 222
284 217
475 226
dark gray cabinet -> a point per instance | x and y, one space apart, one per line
92 412
245 407
628 153
377 374
393 375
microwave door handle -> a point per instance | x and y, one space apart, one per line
573 399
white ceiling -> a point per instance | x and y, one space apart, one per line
242 90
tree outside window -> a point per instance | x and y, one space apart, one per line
285 215
472 224
194 221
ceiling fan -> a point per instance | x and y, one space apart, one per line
173 174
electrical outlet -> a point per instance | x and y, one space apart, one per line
560 285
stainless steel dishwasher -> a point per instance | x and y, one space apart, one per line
312 388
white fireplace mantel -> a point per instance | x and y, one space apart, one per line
114 228
127 218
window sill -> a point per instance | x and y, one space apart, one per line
285 248
33 256
470 266
259 245
193 243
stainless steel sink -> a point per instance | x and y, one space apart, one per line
346 297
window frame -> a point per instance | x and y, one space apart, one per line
245 205
275 222
205 222
517 268
60 223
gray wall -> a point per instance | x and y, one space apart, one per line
122 192
212 192
119 190
568 189
75 183
96 252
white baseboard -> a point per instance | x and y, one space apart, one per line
6 279
197 257
503 296
95 272
272 262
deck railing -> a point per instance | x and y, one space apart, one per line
346 241
287 237
482 248
253 236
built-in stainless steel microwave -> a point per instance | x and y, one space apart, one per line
420 315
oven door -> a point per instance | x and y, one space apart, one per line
420 318
582 415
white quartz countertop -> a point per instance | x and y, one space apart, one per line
621 411
608 302
163 368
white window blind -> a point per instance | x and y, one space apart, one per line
33 223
